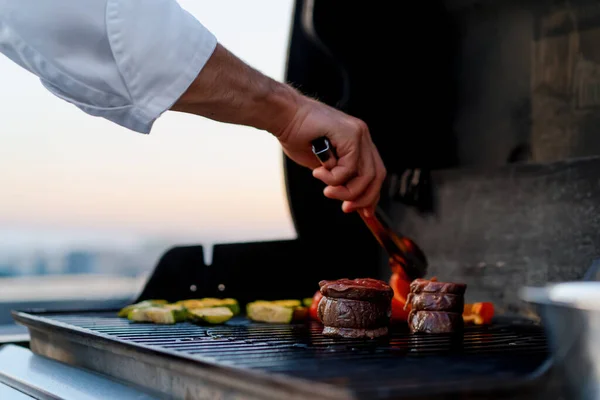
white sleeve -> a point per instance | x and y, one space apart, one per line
124 60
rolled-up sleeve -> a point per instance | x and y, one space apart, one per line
127 61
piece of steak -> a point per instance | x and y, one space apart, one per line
358 308
435 302
433 286
365 289
435 322
347 313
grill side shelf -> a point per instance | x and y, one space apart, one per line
173 374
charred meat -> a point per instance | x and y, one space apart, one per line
364 289
436 302
435 322
348 313
355 308
433 286
436 307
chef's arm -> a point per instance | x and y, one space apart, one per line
229 90
129 61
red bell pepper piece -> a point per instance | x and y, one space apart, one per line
478 313
312 311
401 286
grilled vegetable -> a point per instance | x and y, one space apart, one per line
210 315
264 311
167 314
139 315
312 311
124 312
269 311
209 302
401 286
478 313
287 303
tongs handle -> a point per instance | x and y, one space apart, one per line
403 252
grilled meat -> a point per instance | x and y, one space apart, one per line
347 313
355 308
365 289
436 307
436 302
433 286
435 322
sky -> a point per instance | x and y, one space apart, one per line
65 175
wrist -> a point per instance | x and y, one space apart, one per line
276 108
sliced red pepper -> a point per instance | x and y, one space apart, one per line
312 311
478 313
401 286
399 314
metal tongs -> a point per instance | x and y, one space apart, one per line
403 251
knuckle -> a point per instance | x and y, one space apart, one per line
351 174
338 182
370 177
361 126
333 182
351 170
381 176
357 127
372 174
342 177
382 168
351 195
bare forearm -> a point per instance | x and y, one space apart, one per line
228 90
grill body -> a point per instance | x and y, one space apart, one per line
243 360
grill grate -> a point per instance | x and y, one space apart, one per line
396 365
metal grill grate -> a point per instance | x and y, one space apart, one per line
396 365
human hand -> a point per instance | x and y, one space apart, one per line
357 174
229 90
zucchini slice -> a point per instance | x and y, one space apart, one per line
261 311
179 311
211 315
207 302
287 303
161 314
124 312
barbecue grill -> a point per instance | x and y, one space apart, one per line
476 178
264 361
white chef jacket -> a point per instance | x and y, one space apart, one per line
124 60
